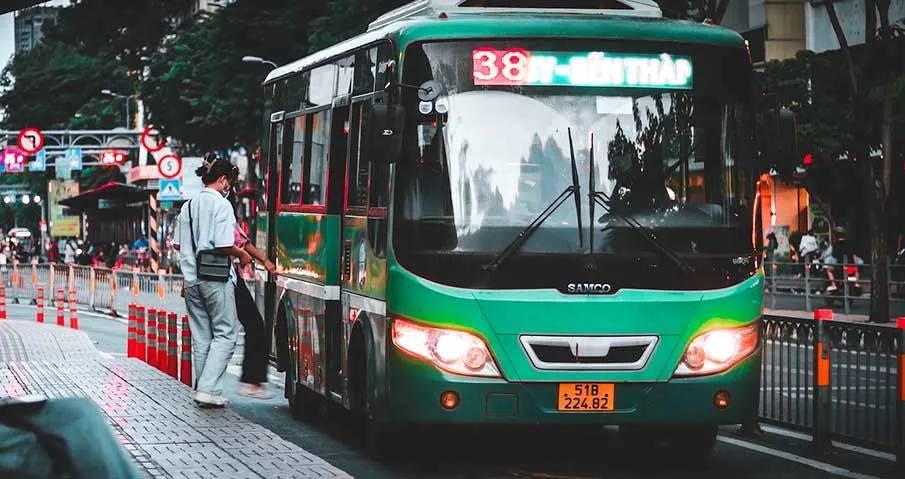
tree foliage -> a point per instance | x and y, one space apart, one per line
201 92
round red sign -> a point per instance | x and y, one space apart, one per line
150 139
31 140
170 166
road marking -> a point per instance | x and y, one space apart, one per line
841 445
81 312
822 466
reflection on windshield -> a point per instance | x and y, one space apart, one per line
491 159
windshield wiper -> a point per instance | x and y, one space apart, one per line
599 197
573 190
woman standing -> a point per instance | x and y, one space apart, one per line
254 358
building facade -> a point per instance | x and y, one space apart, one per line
29 26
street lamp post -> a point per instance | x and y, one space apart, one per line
128 101
251 59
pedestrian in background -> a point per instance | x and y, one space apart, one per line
207 224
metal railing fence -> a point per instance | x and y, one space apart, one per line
804 286
838 380
105 290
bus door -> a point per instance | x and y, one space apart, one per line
265 233
339 139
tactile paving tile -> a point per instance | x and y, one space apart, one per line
198 460
152 415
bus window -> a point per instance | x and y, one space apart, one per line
384 56
358 169
322 86
315 181
365 68
345 74
297 92
292 170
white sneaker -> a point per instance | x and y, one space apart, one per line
254 391
209 400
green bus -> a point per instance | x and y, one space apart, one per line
512 213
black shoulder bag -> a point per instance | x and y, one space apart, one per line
211 264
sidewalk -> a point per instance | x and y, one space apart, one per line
151 414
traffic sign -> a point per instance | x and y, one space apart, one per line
170 166
150 139
13 160
74 157
170 190
40 163
31 140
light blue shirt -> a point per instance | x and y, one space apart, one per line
214 226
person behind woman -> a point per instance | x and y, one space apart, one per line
254 359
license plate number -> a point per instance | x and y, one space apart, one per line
587 397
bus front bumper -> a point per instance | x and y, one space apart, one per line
415 389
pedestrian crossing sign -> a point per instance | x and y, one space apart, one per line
170 190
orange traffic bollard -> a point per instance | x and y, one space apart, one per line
2 302
162 359
151 337
186 366
130 341
40 314
73 311
172 346
140 332
61 304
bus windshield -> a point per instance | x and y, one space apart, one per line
664 128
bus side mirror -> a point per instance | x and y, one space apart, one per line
779 139
384 133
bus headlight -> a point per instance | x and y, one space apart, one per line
450 350
718 350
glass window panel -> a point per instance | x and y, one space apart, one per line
296 159
365 69
322 85
315 190
345 74
358 164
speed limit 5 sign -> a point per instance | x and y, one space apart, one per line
170 166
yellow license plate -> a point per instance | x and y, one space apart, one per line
587 397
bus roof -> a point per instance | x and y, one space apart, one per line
531 24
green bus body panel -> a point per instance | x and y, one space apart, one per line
368 271
304 248
415 388
500 317
623 29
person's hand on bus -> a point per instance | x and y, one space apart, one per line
269 266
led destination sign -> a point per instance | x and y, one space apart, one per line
517 67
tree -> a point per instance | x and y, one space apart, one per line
47 86
875 179
344 19
199 89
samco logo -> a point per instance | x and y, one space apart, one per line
589 288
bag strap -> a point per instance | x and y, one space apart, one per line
192 228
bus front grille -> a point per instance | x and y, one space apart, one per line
588 353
